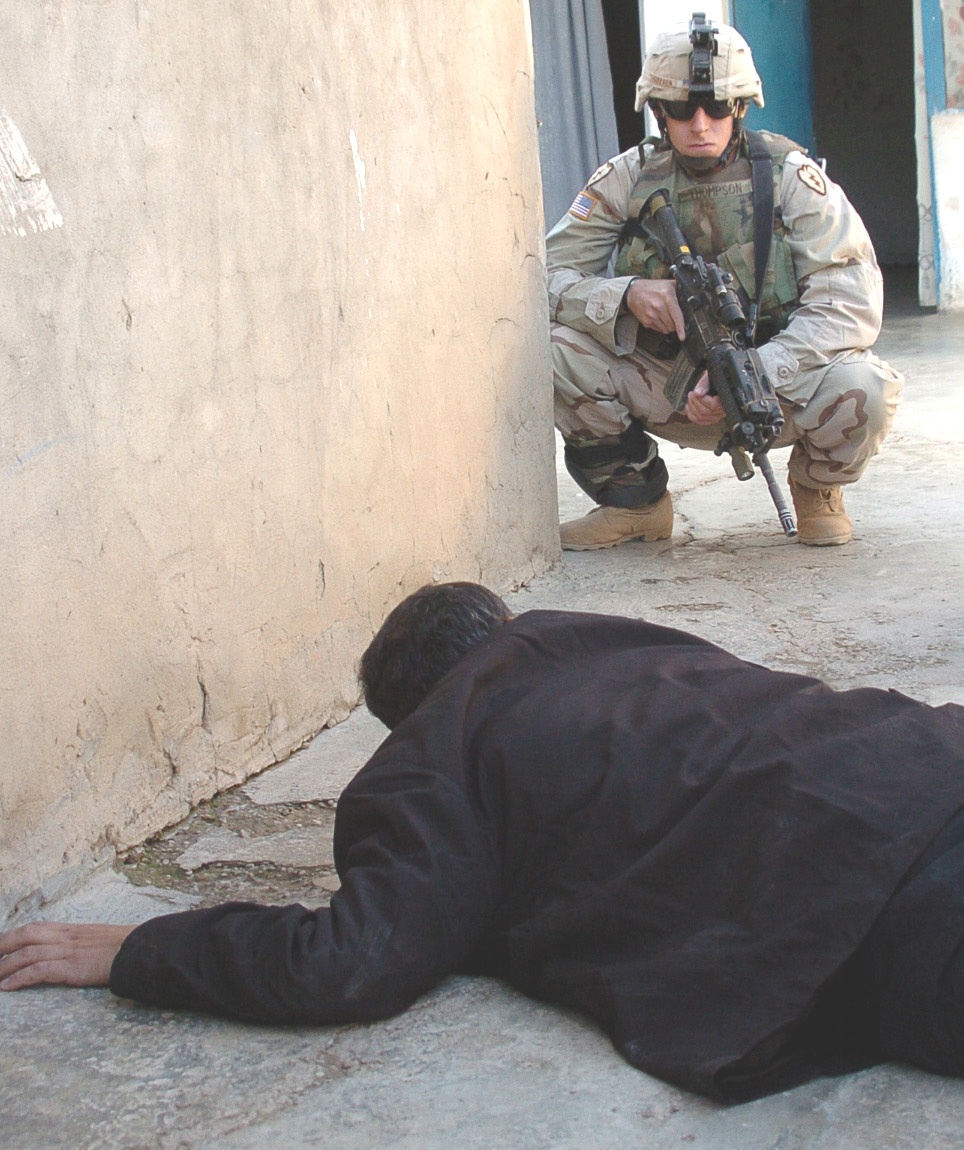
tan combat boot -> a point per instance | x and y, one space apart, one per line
821 519
607 526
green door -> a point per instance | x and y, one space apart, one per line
778 31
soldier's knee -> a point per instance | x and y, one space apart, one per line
580 368
872 388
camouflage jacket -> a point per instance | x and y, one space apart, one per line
823 289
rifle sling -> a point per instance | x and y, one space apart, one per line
761 176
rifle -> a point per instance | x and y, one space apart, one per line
719 341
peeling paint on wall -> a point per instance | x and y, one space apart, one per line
954 53
359 175
26 204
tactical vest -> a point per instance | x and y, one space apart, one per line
715 213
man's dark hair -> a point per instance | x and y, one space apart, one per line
421 640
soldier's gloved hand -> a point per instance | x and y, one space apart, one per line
654 304
701 407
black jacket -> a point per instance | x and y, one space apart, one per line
612 815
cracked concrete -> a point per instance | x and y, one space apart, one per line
475 1064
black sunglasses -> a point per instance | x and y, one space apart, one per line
686 109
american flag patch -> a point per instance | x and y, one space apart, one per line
583 205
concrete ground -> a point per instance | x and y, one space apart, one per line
475 1064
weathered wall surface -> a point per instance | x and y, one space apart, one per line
947 134
284 362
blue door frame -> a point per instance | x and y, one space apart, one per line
935 94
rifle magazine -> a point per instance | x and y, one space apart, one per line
681 380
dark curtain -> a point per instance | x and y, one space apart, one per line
574 97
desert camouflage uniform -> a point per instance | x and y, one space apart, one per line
823 298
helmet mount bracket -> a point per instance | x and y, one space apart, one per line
704 47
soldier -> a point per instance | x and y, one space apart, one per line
615 335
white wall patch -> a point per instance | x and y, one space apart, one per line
26 204
359 175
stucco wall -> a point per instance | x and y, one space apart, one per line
947 135
284 362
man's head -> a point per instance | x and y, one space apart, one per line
699 84
421 640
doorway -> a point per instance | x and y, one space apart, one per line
863 115
623 45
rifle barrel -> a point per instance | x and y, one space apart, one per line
783 511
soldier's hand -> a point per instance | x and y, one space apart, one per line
68 954
654 304
701 407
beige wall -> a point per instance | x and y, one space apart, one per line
284 362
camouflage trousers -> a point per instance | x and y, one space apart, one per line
608 408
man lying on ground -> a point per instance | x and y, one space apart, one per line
745 877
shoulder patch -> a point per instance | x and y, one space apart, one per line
599 173
815 180
583 206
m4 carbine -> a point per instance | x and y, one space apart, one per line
719 342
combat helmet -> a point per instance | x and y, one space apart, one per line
704 59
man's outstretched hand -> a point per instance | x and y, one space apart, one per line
63 953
